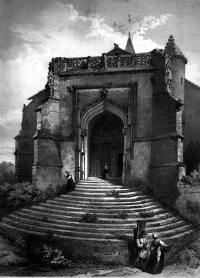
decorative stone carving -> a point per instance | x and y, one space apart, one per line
168 74
103 93
83 132
52 85
24 119
103 98
124 131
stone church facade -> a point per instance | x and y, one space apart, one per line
123 108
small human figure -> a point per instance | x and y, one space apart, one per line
156 259
143 251
70 182
105 171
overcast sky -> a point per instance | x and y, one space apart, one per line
34 31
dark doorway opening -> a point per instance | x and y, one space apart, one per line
120 164
106 144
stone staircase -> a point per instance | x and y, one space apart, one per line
108 238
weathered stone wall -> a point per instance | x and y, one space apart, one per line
140 165
188 202
47 145
24 146
68 158
167 147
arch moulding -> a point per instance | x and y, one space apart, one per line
100 108
86 118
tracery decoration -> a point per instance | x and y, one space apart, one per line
103 97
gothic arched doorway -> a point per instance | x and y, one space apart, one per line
105 144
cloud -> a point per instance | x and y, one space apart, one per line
149 22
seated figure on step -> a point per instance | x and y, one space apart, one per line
70 182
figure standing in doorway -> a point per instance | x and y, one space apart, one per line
105 171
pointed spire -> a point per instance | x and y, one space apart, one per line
173 50
129 46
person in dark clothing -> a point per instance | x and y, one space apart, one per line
70 182
105 171
156 260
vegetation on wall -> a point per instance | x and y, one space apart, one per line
191 156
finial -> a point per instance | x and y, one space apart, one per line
129 21
171 38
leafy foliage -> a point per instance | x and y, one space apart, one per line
19 195
147 214
55 257
122 214
89 218
16 239
113 193
192 156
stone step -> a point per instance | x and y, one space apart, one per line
164 225
156 220
91 234
99 195
67 217
91 209
82 189
109 207
156 223
110 242
109 235
103 199
101 214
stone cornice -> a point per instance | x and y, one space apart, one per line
105 71
172 136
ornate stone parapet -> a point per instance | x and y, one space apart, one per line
126 61
63 65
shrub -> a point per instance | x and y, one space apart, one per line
55 257
16 239
89 218
122 214
147 214
19 195
192 156
113 193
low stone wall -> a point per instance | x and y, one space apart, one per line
188 202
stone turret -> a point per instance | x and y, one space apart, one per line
173 50
178 61
129 45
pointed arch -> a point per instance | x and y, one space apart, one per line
100 108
